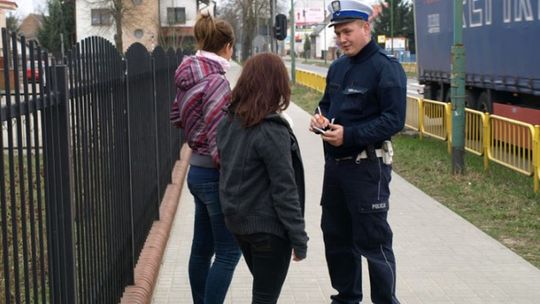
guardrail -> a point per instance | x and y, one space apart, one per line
409 67
414 115
311 80
508 142
435 122
511 144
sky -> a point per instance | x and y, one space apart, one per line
26 7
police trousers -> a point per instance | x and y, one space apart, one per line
354 224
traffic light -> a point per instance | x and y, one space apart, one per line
280 29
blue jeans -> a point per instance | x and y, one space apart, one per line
210 281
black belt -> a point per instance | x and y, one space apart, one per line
358 157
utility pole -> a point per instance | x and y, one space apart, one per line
392 26
272 20
293 55
458 92
325 54
276 42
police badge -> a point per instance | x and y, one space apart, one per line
336 6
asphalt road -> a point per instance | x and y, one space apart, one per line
413 87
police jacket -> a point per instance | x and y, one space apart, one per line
261 180
366 94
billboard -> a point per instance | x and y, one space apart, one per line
309 12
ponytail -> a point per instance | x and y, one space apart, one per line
212 34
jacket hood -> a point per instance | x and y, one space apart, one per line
194 69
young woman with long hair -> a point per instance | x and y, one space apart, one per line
262 177
202 93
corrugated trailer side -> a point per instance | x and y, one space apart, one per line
502 50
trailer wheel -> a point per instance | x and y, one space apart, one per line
470 100
484 104
428 91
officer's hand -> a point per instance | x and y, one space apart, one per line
318 121
334 135
295 257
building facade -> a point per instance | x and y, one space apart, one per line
149 22
5 6
30 26
177 18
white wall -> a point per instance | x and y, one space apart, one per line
330 41
191 11
84 22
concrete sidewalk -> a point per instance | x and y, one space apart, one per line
441 258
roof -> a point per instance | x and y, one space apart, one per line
31 25
320 27
5 4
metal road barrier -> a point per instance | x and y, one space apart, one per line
435 119
413 119
511 144
475 122
508 142
536 153
409 67
311 80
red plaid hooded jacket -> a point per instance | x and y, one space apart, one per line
202 93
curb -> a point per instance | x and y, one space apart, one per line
147 268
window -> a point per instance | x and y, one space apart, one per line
176 15
139 33
101 16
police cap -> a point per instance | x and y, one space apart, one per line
347 10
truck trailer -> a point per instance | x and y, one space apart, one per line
502 54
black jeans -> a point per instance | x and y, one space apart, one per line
268 258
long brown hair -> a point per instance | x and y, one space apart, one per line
263 88
212 34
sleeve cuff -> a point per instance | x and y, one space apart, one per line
348 139
300 252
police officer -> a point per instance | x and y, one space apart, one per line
362 107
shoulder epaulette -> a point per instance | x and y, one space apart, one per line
389 56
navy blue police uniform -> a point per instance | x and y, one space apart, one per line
366 94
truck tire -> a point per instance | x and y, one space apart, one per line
471 101
428 91
484 103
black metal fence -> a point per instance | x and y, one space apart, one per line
87 155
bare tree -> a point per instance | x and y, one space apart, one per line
119 10
244 16
229 12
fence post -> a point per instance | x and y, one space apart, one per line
156 141
487 138
536 155
127 142
448 117
59 182
421 117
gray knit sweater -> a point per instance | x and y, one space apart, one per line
262 180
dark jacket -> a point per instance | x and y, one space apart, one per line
367 95
262 180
